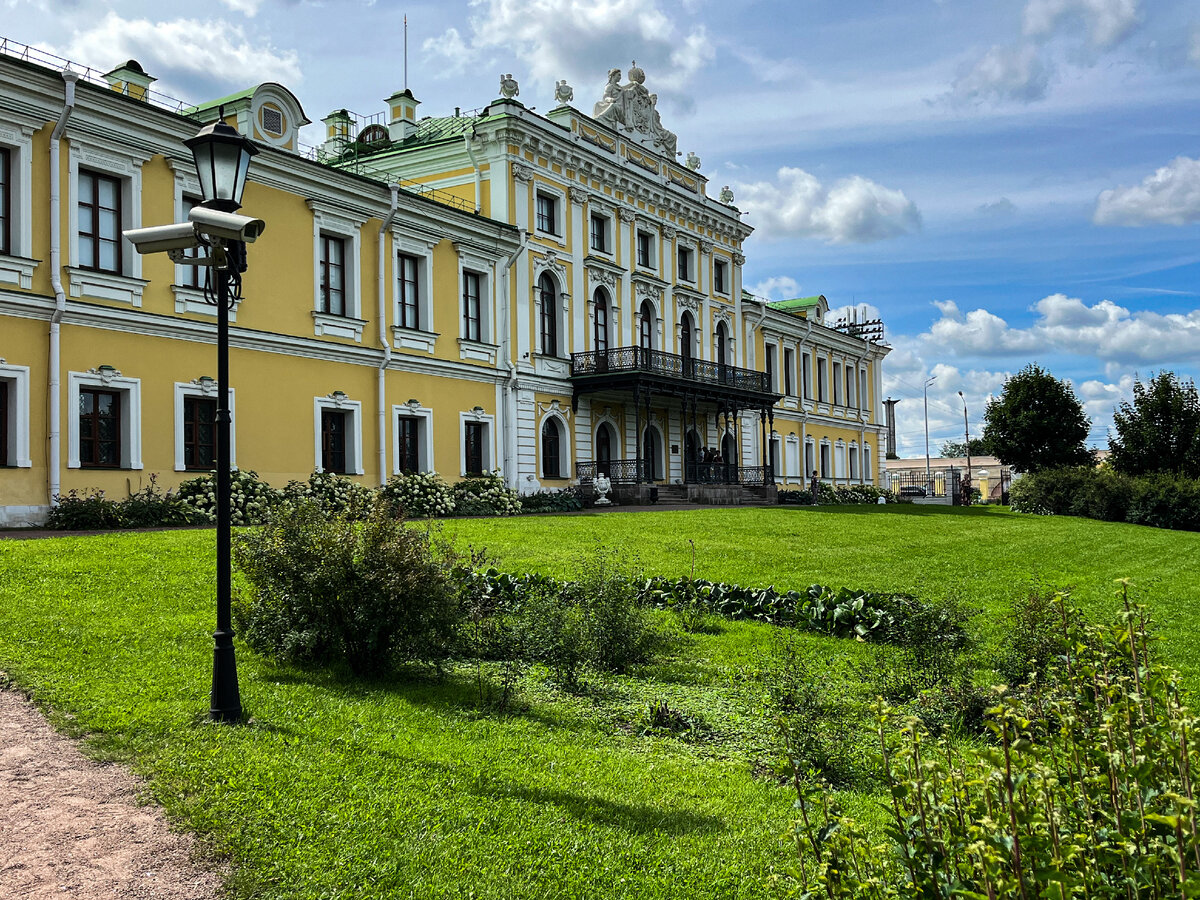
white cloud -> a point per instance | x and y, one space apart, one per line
853 210
1020 74
1106 21
778 287
1107 332
183 53
248 8
580 40
998 208
1171 196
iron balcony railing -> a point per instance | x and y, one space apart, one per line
671 365
634 471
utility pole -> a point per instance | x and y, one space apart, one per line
928 478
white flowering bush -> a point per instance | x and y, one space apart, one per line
419 495
486 495
250 498
335 494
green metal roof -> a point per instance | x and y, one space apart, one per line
214 104
799 303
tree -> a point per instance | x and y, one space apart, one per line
1037 422
951 449
1160 430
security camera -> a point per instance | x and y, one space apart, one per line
161 238
226 226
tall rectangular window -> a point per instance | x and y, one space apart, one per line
770 365
473 435
645 250
199 433
850 387
822 380
547 214
99 222
333 441
6 185
4 423
599 233
806 374
471 319
408 449
719 277
189 276
789 369
862 390
333 275
99 429
838 399
410 316
685 265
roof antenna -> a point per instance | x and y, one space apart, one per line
406 51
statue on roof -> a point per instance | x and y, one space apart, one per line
563 92
632 108
509 88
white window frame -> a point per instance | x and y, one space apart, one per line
863 390
792 457
184 389
837 384
17 267
116 161
338 223
191 299
610 234
806 376
810 457
789 371
489 440
564 447
483 350
653 264
868 475
771 354
18 414
693 258
852 461
130 390
425 337
839 459
354 452
824 455
558 197
822 382
562 300
726 265
424 415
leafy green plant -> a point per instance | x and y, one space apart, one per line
551 633
419 495
660 718
617 630
485 495
86 510
149 507
1086 791
564 500
251 499
326 589
335 494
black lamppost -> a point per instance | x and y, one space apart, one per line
222 161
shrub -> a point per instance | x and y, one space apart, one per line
551 633
660 718
1162 501
1165 501
251 500
617 631
419 495
485 495
564 500
335 494
1034 639
325 589
87 510
1086 791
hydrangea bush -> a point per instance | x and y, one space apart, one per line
486 495
419 495
251 499
335 494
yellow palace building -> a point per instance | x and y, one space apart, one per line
551 296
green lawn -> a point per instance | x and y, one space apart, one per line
406 789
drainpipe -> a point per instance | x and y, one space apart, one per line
380 387
60 296
468 139
509 422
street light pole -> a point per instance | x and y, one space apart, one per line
226 702
928 478
967 444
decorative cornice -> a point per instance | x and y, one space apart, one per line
578 194
521 172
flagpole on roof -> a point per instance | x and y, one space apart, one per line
406 51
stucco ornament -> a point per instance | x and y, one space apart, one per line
563 92
692 161
509 87
632 108
726 195
603 486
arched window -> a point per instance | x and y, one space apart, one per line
650 454
551 449
600 334
646 329
605 441
549 317
686 328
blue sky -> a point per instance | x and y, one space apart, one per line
1003 182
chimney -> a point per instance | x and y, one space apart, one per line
337 132
130 79
402 114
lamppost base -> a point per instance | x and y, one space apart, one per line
226 702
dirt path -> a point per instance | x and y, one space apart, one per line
71 827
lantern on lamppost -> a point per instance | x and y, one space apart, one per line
222 157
